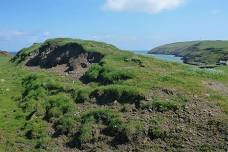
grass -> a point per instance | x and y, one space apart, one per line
38 101
106 75
163 105
120 93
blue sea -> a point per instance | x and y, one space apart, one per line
170 58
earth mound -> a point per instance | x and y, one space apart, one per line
119 101
65 56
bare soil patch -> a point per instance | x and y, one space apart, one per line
217 86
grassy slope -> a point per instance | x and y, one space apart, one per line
207 52
153 74
10 113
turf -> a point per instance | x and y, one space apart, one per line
126 98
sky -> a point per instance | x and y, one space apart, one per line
128 24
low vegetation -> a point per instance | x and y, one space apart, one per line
119 102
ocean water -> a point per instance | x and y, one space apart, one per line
13 53
170 58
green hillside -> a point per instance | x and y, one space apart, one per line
76 95
197 52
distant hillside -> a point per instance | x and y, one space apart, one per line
197 52
4 53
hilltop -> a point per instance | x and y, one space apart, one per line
197 52
77 95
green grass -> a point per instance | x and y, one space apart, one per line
11 116
35 102
120 93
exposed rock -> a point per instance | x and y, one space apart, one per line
69 59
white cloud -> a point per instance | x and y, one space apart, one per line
149 6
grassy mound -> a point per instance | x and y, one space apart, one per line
121 102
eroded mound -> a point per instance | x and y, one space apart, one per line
120 101
71 58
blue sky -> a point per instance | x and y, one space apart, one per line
128 24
